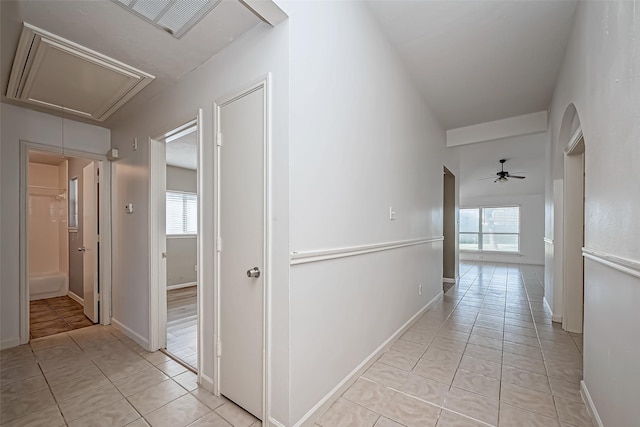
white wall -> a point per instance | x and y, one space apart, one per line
362 140
600 78
181 179
19 124
260 51
531 228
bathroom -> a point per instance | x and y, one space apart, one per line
56 242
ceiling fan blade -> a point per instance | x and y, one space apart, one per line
484 179
516 176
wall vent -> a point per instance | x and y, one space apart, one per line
176 17
53 72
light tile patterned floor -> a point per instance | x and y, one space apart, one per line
487 354
96 376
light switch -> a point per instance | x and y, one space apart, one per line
392 213
129 207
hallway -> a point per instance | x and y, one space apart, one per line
486 354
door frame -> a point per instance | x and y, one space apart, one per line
573 234
264 83
157 266
89 199
105 230
449 248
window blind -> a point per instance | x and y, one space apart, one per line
182 213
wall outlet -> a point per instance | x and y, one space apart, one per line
419 289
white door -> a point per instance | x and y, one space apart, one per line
242 213
90 240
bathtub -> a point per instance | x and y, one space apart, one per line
47 285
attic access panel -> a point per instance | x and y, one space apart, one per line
54 72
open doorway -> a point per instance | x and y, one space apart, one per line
174 239
182 246
449 230
61 216
573 225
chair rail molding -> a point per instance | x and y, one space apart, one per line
625 265
348 251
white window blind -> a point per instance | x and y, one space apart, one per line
182 213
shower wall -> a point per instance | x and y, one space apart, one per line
48 244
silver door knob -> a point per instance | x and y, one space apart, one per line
254 272
82 249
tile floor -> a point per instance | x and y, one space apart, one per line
54 315
487 354
96 376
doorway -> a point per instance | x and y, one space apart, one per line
174 233
181 149
573 228
449 231
63 261
242 126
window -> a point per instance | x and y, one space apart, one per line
73 203
491 229
182 213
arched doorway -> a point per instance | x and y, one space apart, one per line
570 232
573 269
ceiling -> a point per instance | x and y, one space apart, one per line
183 152
524 154
111 30
479 61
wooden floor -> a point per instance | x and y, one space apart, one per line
182 325
54 315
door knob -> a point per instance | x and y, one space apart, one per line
82 249
254 272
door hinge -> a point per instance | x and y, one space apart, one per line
219 139
219 244
98 297
219 348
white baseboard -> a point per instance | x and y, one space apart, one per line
554 318
9 343
448 280
310 417
206 382
75 297
591 408
181 285
142 341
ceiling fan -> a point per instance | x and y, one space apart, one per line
504 175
